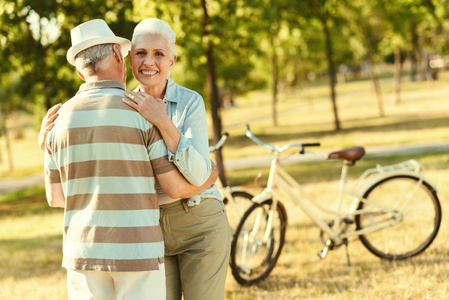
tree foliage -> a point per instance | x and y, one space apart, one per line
255 43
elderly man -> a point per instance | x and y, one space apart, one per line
102 159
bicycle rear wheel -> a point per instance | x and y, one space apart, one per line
236 207
254 248
419 220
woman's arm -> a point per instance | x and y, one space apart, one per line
176 186
191 151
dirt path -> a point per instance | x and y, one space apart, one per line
8 185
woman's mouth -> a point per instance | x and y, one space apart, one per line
149 73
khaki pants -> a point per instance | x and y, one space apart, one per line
96 285
197 245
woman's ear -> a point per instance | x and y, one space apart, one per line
172 62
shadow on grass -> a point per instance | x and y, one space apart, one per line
407 123
30 257
20 207
339 279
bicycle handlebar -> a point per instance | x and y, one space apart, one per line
278 148
219 143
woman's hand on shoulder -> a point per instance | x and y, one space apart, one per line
47 124
150 108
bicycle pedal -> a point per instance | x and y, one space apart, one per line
348 221
323 253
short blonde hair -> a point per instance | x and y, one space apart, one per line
156 26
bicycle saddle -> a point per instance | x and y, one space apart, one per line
351 154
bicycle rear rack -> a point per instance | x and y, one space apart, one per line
405 166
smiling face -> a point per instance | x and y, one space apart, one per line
151 61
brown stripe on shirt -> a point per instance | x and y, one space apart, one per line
106 168
162 165
52 176
153 134
99 134
144 234
112 265
112 201
97 103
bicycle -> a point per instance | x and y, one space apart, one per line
395 213
235 198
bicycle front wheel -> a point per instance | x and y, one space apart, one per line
236 207
256 245
415 219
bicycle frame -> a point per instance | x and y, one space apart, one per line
279 178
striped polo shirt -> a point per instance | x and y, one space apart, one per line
105 155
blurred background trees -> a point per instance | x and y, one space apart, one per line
226 48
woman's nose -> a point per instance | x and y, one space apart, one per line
148 60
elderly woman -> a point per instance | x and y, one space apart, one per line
196 231
196 234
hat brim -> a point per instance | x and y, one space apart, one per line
125 46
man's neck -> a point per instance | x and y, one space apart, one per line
103 77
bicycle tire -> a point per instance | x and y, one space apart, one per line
420 221
242 201
264 255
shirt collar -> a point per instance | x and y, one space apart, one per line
170 93
104 84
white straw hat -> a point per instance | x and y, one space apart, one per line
92 33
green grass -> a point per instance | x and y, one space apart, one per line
31 235
31 232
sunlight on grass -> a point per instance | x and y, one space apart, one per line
30 257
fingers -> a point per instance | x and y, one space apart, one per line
138 99
52 119
43 135
134 96
130 103
54 109
51 115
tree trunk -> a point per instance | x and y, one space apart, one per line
373 76
213 90
274 83
4 131
331 71
415 54
397 74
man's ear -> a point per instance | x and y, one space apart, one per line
80 75
116 52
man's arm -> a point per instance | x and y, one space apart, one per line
55 194
176 186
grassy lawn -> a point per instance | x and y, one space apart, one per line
30 249
31 232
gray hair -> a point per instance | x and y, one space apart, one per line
156 26
90 57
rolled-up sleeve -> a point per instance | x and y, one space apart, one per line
192 155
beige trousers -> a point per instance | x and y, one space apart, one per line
95 285
197 245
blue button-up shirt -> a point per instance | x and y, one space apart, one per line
187 111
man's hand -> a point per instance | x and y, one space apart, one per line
47 124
